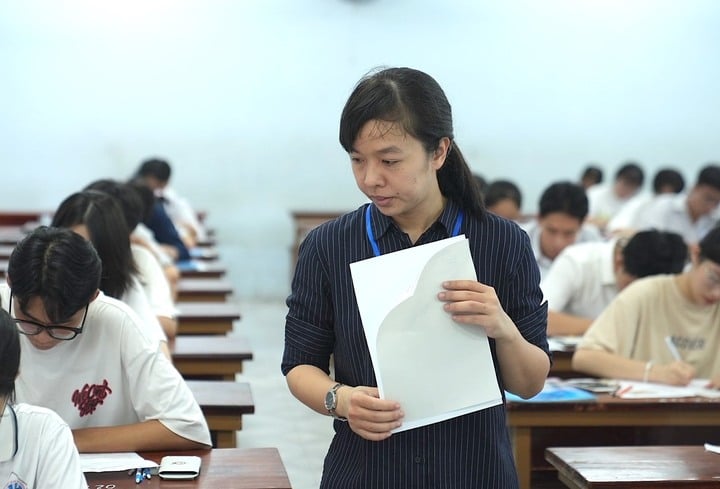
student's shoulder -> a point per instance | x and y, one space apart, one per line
108 310
38 416
501 227
339 226
651 286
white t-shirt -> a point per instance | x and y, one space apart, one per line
629 214
603 203
136 298
111 374
146 235
46 456
670 213
581 280
153 281
181 212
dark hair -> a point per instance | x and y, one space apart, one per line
481 183
566 197
146 195
631 173
710 175
501 190
416 102
58 266
9 356
156 168
103 216
710 246
668 177
592 173
654 252
127 196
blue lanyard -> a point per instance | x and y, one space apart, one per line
374 243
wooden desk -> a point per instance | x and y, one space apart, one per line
203 290
18 218
223 404
10 235
210 357
203 253
206 317
528 420
636 467
5 251
202 269
236 468
304 222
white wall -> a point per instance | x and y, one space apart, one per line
244 97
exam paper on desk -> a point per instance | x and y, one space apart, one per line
114 462
649 390
434 367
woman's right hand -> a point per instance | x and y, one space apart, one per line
675 373
369 416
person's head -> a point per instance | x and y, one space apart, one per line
504 198
9 357
397 127
704 276
705 195
648 253
668 181
481 183
127 196
628 180
98 217
53 275
155 172
592 175
563 208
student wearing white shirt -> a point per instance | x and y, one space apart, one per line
36 446
87 356
586 277
560 223
607 200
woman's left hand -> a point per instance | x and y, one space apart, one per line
472 302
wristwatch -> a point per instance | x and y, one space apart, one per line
331 400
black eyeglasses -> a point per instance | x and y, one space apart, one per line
32 328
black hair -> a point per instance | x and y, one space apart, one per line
102 215
9 356
710 175
654 252
631 173
146 195
668 177
710 246
592 173
156 168
501 190
481 183
58 266
416 102
566 197
127 196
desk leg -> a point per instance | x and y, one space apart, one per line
225 439
521 438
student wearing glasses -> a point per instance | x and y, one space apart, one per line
629 340
36 446
87 356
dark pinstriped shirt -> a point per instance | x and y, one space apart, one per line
471 451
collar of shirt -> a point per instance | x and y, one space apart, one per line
381 223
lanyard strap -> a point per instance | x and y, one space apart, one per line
374 243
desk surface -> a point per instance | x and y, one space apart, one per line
636 467
204 311
237 468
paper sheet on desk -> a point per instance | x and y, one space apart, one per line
434 367
114 462
648 390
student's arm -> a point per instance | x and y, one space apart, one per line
563 324
169 325
605 364
369 416
524 366
148 435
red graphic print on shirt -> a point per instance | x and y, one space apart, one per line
89 397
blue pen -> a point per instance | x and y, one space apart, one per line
138 476
146 473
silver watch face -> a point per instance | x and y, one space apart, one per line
330 400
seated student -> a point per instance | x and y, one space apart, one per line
87 357
504 199
36 446
666 181
560 223
691 215
150 273
607 200
591 175
628 339
98 217
156 175
586 277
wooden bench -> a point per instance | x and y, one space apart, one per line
210 357
223 404
203 290
206 317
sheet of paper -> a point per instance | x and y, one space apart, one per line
712 448
114 462
648 390
434 367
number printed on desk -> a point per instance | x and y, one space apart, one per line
105 486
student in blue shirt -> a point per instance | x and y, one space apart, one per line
397 129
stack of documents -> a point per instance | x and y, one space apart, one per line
115 462
648 390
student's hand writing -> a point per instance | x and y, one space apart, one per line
675 373
471 302
714 382
369 416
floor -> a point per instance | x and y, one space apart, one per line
301 435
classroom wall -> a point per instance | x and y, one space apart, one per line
244 97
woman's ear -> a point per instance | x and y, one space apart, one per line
441 152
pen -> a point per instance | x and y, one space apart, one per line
673 349
622 391
146 473
138 476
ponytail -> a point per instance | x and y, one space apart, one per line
458 184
